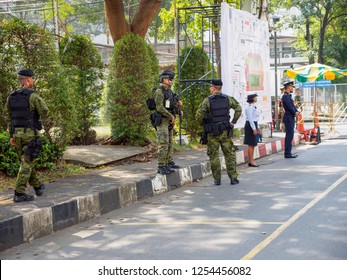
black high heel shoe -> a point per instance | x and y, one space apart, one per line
252 165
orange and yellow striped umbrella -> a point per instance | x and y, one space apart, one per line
315 72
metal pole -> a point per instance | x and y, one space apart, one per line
276 84
56 21
177 49
176 27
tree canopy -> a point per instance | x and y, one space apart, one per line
168 14
315 27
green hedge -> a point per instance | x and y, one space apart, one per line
196 66
133 72
85 72
9 162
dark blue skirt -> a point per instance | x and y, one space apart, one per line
250 138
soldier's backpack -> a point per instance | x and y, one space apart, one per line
151 102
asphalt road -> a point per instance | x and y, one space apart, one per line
287 209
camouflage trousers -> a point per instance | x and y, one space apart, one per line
165 140
227 145
26 172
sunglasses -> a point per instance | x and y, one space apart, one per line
170 79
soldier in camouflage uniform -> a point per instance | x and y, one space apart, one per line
214 114
166 105
179 112
25 107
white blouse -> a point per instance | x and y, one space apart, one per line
252 115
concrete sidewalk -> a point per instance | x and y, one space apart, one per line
75 199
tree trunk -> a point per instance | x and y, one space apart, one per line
119 26
156 31
309 40
216 30
322 35
116 19
144 16
218 52
260 5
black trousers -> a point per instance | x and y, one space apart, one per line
289 122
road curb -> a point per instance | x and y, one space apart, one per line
36 222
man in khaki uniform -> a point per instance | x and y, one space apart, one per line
167 104
25 108
214 113
297 99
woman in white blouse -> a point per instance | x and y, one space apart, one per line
251 128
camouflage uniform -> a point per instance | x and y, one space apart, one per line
222 140
164 130
22 136
297 102
171 136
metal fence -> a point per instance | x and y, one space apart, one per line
330 104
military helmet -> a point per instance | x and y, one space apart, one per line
166 74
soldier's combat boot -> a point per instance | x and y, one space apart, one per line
20 197
172 164
168 168
234 181
162 170
217 182
39 189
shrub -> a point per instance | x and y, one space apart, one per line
131 78
27 45
7 74
84 71
9 163
196 66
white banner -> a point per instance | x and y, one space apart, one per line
245 59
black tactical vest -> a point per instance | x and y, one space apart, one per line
219 117
169 95
19 106
219 107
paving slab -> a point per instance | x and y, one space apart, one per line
98 155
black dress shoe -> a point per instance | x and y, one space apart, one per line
252 165
234 181
217 182
290 156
